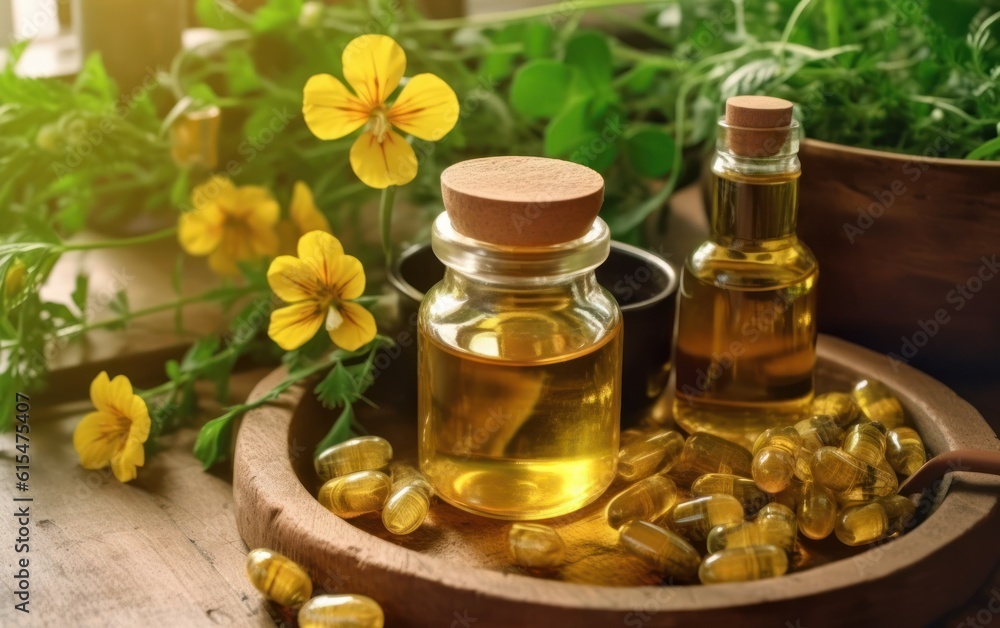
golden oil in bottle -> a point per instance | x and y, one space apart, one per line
520 348
746 325
511 435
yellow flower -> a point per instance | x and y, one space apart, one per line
13 281
230 224
303 217
373 66
114 434
319 285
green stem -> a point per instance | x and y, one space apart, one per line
385 204
789 27
120 243
211 295
521 15
985 150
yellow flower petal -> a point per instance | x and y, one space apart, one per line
125 461
373 66
256 204
348 277
294 325
114 434
304 212
141 422
288 237
237 245
113 396
96 439
381 164
217 191
292 279
427 108
264 241
356 330
200 230
330 110
319 251
222 263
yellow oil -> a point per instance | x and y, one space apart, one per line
511 437
746 328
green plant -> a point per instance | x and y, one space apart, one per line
637 101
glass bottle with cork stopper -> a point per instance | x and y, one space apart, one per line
519 346
746 324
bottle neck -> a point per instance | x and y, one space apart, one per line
754 200
520 268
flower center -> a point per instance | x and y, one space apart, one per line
333 318
378 123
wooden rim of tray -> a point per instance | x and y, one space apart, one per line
819 147
274 509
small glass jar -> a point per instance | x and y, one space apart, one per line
519 375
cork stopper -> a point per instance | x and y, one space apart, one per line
522 201
745 114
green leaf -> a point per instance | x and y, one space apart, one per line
202 94
276 14
241 73
340 431
173 369
650 151
338 388
538 40
215 440
540 88
10 385
119 303
589 52
93 79
79 295
639 80
211 15
580 135
199 352
498 65
180 191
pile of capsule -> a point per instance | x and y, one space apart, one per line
835 472
360 477
284 582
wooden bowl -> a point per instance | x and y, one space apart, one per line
895 235
454 571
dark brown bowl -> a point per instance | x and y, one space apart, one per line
644 285
907 248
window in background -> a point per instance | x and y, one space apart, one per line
34 19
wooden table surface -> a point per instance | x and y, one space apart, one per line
162 550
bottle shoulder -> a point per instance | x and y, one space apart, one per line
519 326
762 267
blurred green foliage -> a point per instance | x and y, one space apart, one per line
637 100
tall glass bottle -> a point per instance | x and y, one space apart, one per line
746 325
519 369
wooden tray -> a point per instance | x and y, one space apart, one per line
454 571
